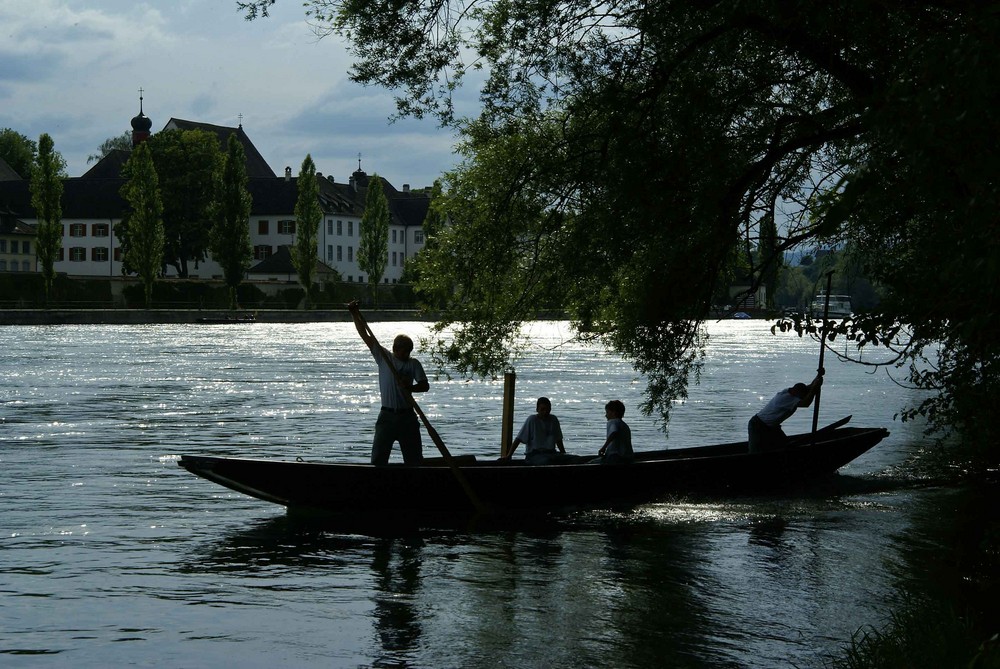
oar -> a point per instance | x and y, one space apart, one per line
822 349
435 437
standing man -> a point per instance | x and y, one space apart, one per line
764 428
397 420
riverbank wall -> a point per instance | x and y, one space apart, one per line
201 316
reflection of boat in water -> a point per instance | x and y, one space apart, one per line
840 306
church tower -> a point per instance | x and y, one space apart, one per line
140 125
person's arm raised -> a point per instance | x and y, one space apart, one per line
359 323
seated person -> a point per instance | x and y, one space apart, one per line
617 448
541 435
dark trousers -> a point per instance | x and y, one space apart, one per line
764 437
392 426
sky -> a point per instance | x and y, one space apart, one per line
73 69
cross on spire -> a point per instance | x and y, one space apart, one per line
140 99
359 161
241 120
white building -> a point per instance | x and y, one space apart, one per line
92 206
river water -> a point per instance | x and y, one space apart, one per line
111 555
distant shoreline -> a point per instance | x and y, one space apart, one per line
194 316
244 316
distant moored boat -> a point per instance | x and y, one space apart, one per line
840 306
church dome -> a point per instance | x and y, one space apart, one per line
141 122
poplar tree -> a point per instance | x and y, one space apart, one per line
47 173
770 258
373 249
307 216
141 231
230 235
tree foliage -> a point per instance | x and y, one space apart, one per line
434 224
189 163
142 231
47 174
623 149
308 215
230 234
18 151
122 142
373 248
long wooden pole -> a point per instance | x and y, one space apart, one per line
435 437
822 349
507 420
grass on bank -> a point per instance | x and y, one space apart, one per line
924 636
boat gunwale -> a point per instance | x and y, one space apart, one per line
642 457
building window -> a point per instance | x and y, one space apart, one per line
99 230
78 230
350 254
77 254
286 227
3 246
350 228
261 251
329 227
340 253
118 254
13 246
340 228
99 254
261 227
350 278
329 252
26 266
3 265
393 258
26 247
418 236
393 236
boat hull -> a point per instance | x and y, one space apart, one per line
363 488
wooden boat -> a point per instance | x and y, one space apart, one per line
509 485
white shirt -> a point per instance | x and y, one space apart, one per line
622 442
540 435
779 408
392 396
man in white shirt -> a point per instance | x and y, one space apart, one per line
764 429
397 421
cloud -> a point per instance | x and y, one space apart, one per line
73 68
29 68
